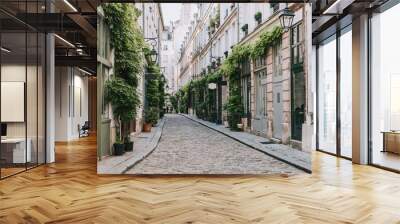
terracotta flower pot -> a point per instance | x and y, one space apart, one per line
147 127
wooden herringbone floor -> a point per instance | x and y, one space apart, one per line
70 191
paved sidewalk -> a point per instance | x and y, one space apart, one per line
144 144
187 147
297 158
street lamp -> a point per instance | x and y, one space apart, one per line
286 19
153 56
153 53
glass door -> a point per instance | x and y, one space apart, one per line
345 43
326 102
385 89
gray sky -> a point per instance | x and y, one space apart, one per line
171 12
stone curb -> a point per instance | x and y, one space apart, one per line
148 147
152 145
269 153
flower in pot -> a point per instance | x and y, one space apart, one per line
124 100
258 17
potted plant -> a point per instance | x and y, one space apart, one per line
124 100
119 148
128 144
258 17
151 119
235 109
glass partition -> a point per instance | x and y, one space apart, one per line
22 77
14 153
385 89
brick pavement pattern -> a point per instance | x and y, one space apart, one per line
187 147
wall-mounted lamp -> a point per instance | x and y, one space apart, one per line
286 19
153 53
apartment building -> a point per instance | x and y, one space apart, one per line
151 23
168 59
274 87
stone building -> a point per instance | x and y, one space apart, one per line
273 87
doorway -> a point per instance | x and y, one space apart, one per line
260 119
277 102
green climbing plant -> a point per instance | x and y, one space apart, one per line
267 39
126 40
123 99
128 43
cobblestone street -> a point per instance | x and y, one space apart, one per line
187 147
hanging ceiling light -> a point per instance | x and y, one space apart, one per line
85 72
64 40
70 6
286 19
5 50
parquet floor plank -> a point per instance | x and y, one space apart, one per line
70 191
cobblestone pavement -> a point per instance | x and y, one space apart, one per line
187 147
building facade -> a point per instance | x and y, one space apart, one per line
273 87
151 23
168 59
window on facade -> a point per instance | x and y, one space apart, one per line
275 7
165 47
297 44
226 41
277 57
298 92
261 86
245 84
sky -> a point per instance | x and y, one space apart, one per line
171 12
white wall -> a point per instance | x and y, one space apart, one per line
70 83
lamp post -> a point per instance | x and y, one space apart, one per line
286 19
